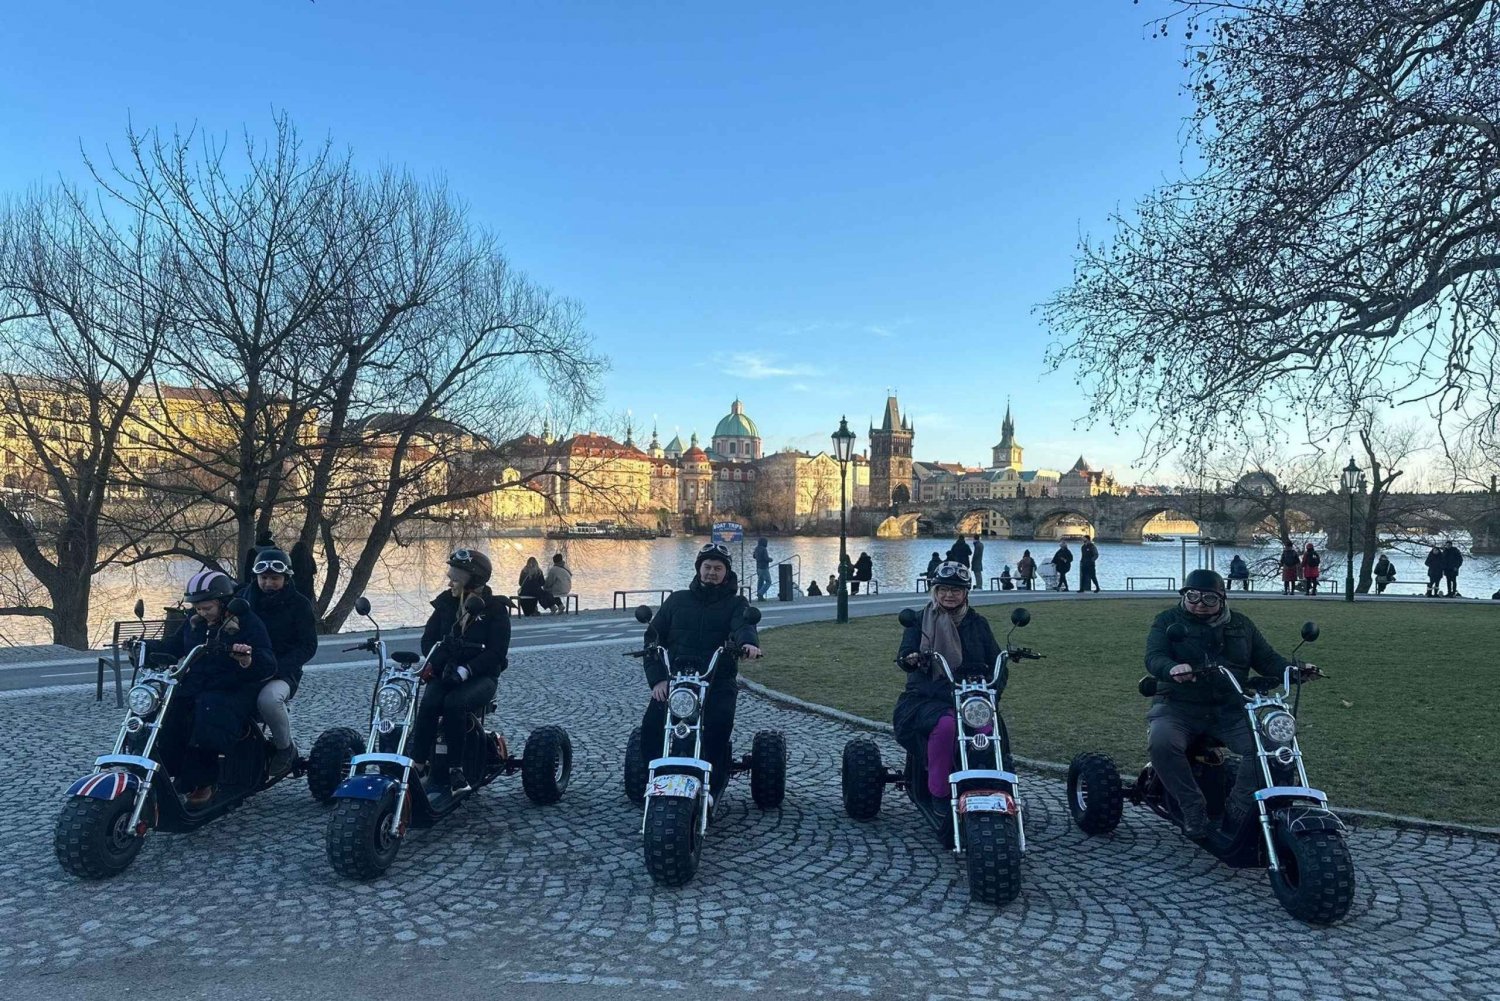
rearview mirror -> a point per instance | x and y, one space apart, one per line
643 614
1020 617
752 615
908 618
473 604
140 608
238 606
1176 633
362 605
1309 632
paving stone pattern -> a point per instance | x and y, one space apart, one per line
801 900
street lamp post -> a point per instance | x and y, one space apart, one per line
1353 479
843 451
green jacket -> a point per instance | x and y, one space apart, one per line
1237 644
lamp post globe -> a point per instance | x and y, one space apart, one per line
843 452
1353 479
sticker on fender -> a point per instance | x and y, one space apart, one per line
998 803
673 785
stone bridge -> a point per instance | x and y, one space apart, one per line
1224 517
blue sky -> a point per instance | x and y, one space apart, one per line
799 204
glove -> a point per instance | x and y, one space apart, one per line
454 674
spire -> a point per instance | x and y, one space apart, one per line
892 419
629 430
655 442
547 429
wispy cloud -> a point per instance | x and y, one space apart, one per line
753 365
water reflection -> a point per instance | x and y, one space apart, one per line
410 575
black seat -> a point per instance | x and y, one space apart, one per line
406 657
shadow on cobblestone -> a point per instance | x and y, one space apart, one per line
801 900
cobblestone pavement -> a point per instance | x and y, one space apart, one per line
508 899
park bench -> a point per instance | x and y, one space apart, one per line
1169 583
123 632
570 605
622 598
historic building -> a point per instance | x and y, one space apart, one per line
1084 481
890 463
736 438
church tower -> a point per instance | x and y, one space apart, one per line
890 457
1007 454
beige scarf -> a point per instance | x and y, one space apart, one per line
940 635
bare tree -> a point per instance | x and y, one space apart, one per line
1340 246
83 314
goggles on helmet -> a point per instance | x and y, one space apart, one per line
271 566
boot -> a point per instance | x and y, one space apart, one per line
1195 824
200 796
282 760
457 782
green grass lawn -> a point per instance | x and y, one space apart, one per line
1408 723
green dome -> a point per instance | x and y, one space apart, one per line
736 424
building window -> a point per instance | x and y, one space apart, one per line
732 448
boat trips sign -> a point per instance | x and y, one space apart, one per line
728 531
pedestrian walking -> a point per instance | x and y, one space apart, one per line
1062 562
762 556
1088 561
977 565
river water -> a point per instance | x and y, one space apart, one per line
409 575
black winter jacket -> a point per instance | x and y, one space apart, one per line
1237 644
222 691
960 552
693 623
489 631
864 568
1452 559
925 700
292 625
1088 554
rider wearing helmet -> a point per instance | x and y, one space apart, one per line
1191 704
216 698
923 719
691 625
464 669
292 625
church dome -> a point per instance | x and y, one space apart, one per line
736 424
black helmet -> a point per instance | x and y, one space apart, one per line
206 584
952 574
272 560
474 563
1202 580
714 551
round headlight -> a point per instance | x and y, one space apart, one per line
392 700
144 699
1279 728
683 704
978 714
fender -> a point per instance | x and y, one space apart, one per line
988 801
364 787
1306 819
109 784
684 786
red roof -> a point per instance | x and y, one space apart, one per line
695 454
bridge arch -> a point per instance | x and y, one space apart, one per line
1301 522
1136 525
1060 521
983 521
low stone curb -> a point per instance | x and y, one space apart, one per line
1057 768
